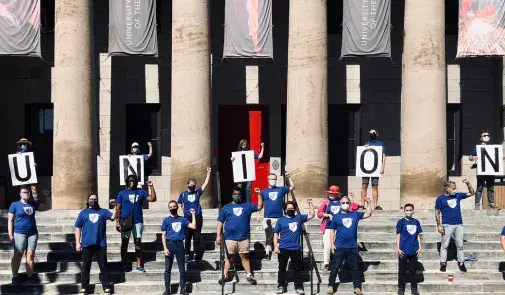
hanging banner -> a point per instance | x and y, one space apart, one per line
132 27
20 27
248 29
366 30
481 28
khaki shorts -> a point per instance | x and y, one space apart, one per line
234 247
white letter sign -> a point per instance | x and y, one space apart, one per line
490 159
244 168
368 161
22 168
129 165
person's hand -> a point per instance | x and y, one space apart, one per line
368 201
33 189
287 174
112 202
351 195
232 159
209 169
475 158
382 170
78 247
192 211
166 252
276 250
11 239
262 144
118 226
149 144
329 216
309 201
258 218
464 179
333 248
400 253
257 190
418 251
149 183
441 230
218 241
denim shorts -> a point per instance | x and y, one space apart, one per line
137 232
23 242
366 181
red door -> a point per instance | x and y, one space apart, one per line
263 165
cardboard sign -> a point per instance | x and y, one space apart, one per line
22 167
129 165
490 159
368 161
244 168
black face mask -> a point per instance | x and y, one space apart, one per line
373 136
173 211
93 204
290 213
191 187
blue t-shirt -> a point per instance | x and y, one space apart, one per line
289 230
191 200
145 156
346 226
377 143
450 208
126 198
92 223
274 201
409 230
24 214
256 156
333 209
503 231
237 220
175 226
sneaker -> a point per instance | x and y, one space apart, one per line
224 280
107 291
357 291
16 281
477 206
330 290
268 252
83 291
327 267
443 267
462 267
141 269
280 290
414 292
377 208
300 291
493 206
251 280
401 291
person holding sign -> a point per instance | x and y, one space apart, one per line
344 233
408 246
450 221
131 218
172 235
235 217
23 233
375 180
91 240
245 187
288 230
135 151
190 200
487 180
273 201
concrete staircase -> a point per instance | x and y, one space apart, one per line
58 265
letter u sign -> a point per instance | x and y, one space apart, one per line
22 168
368 161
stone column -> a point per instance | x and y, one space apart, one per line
73 88
306 122
191 141
423 132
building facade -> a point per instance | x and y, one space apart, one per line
82 109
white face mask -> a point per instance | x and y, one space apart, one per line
485 139
345 207
272 182
25 196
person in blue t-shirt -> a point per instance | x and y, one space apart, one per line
502 238
91 240
344 233
408 246
246 187
172 236
375 180
236 220
23 233
129 205
289 230
190 199
450 221
273 203
135 151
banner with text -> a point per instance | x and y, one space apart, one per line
132 27
20 27
481 28
248 29
366 30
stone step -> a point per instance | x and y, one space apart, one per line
272 292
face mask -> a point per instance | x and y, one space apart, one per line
453 193
272 182
173 211
409 214
236 198
135 150
132 185
191 187
331 197
24 147
373 136
290 213
92 203
485 139
345 207
25 196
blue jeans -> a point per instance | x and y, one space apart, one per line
176 249
340 255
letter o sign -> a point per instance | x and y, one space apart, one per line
368 161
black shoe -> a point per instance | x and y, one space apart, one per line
251 280
401 291
327 267
414 292
462 267
443 267
33 280
224 280
16 281
378 207
183 291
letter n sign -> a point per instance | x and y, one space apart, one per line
244 168
129 165
368 161
490 160
22 167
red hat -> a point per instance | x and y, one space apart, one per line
333 190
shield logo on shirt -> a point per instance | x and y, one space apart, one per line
272 196
93 217
452 203
335 209
237 211
347 222
132 198
191 198
28 210
176 226
293 226
412 229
